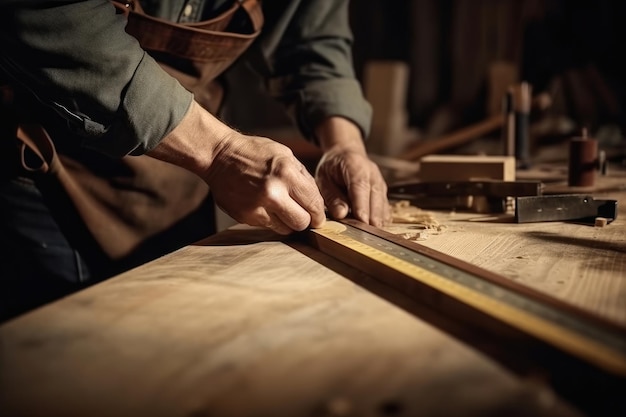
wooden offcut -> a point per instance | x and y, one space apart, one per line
385 88
467 167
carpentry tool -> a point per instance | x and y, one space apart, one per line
453 194
569 341
560 207
488 188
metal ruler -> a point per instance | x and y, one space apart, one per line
430 276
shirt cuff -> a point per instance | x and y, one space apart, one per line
154 104
325 98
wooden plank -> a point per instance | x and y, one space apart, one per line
247 325
567 343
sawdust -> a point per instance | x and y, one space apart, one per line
424 222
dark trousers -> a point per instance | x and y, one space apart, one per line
37 263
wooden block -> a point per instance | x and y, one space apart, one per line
500 75
601 222
385 87
466 167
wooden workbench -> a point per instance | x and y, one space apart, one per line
250 324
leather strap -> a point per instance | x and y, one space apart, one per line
254 11
205 41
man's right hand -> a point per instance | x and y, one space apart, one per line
260 182
255 180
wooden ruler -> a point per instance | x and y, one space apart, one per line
446 283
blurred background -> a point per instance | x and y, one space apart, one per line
431 67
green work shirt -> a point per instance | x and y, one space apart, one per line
74 63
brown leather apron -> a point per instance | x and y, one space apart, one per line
197 53
121 212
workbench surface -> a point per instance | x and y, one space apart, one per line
250 324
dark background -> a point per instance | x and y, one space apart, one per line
570 49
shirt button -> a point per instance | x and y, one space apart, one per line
188 10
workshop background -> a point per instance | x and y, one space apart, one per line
432 66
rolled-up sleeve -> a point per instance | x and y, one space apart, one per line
75 60
308 52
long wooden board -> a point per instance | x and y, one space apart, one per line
578 343
249 324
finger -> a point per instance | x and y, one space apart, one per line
281 205
335 199
388 219
360 192
379 205
261 218
292 215
278 226
307 195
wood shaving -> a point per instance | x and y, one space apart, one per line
423 235
402 212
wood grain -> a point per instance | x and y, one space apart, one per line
250 324
253 328
581 264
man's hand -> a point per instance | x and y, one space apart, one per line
348 180
260 182
255 180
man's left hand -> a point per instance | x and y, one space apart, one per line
348 180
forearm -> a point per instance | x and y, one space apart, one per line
341 134
194 143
